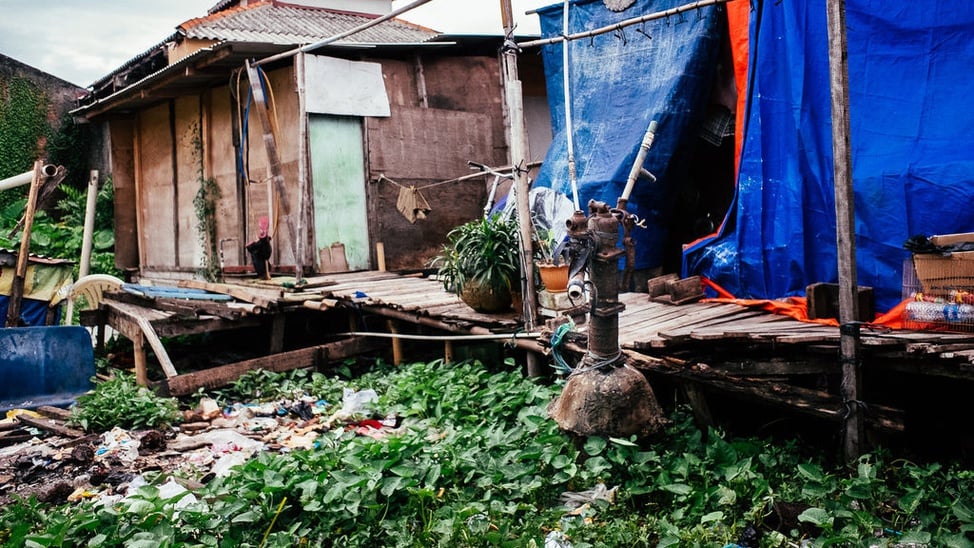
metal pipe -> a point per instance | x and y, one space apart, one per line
528 344
566 91
412 337
637 165
48 170
89 231
623 24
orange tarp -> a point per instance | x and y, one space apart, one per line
797 308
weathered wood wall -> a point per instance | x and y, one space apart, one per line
421 146
155 190
175 143
122 139
221 166
428 139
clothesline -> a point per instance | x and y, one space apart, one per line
462 178
382 177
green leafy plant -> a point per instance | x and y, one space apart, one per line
60 233
482 253
23 126
547 249
477 462
120 401
204 205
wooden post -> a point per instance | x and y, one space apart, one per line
380 255
277 176
519 160
304 192
396 342
845 229
277 333
138 352
17 284
89 224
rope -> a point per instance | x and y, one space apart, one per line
382 177
597 362
557 341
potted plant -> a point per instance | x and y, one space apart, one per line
551 260
480 263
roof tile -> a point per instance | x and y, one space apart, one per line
293 25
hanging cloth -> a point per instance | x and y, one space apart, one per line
412 204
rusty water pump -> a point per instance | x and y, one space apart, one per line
604 395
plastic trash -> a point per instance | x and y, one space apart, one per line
557 539
118 444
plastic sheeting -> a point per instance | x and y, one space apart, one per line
619 82
912 132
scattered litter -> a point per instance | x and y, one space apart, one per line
355 406
211 440
557 539
118 444
575 500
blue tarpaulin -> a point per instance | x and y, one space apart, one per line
620 81
32 311
912 134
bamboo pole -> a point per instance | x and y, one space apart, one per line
845 229
89 232
274 161
304 191
518 146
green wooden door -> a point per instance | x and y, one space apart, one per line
338 175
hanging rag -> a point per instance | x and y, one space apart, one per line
260 249
412 204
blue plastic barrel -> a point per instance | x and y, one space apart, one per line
44 366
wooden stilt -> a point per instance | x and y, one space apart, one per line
448 352
396 343
277 334
138 350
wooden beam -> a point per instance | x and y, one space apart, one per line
20 272
845 228
264 298
514 98
277 333
49 425
215 377
793 398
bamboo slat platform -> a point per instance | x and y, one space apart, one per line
411 296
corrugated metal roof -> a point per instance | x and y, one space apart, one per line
272 23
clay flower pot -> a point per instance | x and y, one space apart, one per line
554 277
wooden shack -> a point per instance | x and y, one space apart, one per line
365 133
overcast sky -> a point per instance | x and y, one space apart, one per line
82 40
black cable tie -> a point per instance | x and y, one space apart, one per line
851 328
847 407
621 33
